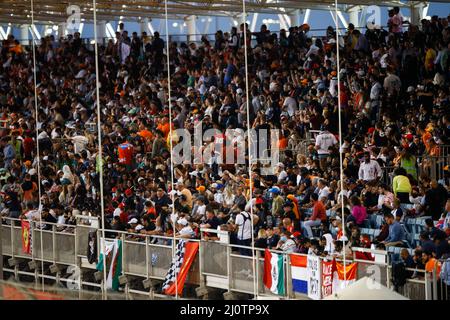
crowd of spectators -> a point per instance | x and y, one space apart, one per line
394 103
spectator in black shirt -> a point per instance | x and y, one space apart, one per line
272 237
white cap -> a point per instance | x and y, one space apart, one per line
410 89
239 91
280 164
45 158
182 222
32 172
140 179
212 88
190 89
139 227
134 220
180 100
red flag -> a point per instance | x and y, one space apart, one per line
26 236
327 278
189 257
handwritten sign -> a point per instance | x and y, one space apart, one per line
313 268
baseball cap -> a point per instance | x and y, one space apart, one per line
139 227
133 220
182 222
274 190
140 179
200 188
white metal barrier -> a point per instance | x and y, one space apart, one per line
218 264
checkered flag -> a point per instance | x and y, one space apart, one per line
175 266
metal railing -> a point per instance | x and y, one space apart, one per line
432 167
218 265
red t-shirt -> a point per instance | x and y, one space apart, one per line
28 146
319 211
126 153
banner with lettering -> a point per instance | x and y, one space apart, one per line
314 277
327 278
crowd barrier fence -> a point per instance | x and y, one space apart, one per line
218 265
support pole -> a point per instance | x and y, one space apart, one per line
62 27
24 34
101 31
192 30
294 18
417 12
353 14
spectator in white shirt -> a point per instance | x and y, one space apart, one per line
322 189
282 174
324 141
370 169
184 229
289 105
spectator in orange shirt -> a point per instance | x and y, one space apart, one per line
29 189
433 148
426 135
164 126
16 47
430 262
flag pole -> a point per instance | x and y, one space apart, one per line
172 196
338 69
100 151
38 163
254 262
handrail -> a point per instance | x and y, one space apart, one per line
130 268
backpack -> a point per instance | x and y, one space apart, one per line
246 217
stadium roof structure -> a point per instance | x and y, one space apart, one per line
51 11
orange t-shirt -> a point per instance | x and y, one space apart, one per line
28 195
145 134
282 143
429 266
164 128
426 136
